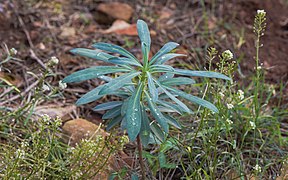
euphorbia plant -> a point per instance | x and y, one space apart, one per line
144 87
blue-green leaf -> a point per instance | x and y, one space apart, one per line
171 106
112 113
92 72
124 61
118 83
173 121
92 95
208 74
143 33
133 114
156 113
108 105
94 54
195 99
145 128
113 122
164 50
115 49
178 81
165 76
161 68
167 57
152 88
157 131
124 106
134 176
171 96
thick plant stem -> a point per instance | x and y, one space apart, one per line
139 144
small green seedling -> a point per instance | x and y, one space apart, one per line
145 87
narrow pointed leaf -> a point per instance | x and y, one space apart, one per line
118 83
144 35
167 57
157 114
133 114
157 131
165 76
92 72
145 128
92 95
173 121
178 81
152 88
112 113
164 50
113 122
108 105
161 68
124 106
208 74
124 61
115 49
171 96
94 54
171 106
195 99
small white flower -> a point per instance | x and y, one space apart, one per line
258 168
252 125
54 60
13 51
45 88
20 153
230 106
227 54
259 67
229 121
261 12
240 94
62 85
221 94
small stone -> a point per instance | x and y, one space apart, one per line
116 10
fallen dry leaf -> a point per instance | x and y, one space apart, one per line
116 10
67 32
166 13
11 79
